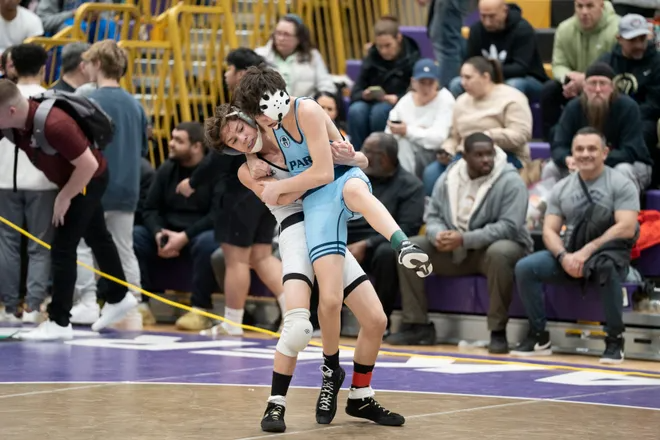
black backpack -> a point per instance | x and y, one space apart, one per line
88 114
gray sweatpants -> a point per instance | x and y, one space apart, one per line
36 207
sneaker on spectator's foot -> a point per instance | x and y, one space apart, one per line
412 257
326 404
85 313
47 331
498 343
132 322
413 334
112 313
9 317
31 317
613 353
368 408
535 344
273 420
148 317
193 322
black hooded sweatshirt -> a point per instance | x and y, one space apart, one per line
639 79
515 46
393 76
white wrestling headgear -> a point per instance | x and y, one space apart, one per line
275 105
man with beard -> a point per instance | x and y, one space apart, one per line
475 225
178 226
636 63
616 116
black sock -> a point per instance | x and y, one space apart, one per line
331 361
280 384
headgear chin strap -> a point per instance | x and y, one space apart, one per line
258 143
275 105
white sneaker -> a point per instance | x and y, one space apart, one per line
85 313
112 313
33 317
9 318
47 331
132 322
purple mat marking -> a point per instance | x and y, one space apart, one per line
176 358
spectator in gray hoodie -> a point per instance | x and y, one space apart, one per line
475 225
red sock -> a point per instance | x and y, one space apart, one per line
361 375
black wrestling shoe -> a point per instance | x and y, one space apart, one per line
412 257
273 420
613 353
326 405
368 408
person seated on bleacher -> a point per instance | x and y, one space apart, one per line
503 34
292 54
579 41
7 66
178 226
18 24
384 78
499 110
57 15
334 107
636 64
617 116
403 196
601 228
74 74
475 226
421 120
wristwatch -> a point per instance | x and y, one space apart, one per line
560 256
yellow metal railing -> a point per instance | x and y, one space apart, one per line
124 18
357 23
201 36
409 12
150 77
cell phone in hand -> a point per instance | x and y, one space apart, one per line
376 92
163 240
395 122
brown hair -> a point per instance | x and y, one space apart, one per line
9 93
387 25
113 59
255 83
304 36
487 65
213 126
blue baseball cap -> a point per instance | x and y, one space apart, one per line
426 68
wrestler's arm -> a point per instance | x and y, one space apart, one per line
256 186
311 119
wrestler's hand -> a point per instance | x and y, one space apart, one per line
258 168
342 152
271 192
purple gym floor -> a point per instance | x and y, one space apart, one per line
185 358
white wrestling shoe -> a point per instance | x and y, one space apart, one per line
47 331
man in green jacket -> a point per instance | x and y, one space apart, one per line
579 41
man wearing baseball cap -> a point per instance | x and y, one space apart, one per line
636 65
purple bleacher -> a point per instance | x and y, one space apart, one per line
469 295
353 69
647 263
420 35
653 199
539 150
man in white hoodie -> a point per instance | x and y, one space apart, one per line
25 193
475 226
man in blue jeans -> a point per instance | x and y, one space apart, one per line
599 207
176 226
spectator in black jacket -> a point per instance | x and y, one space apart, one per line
403 195
636 64
384 79
176 226
503 34
617 116
147 174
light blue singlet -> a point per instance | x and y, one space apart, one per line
326 214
